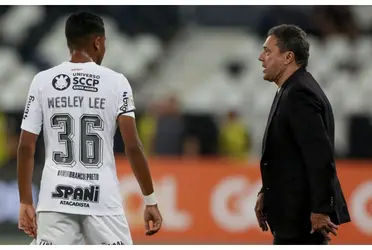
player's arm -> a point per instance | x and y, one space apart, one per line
25 165
133 145
134 150
137 159
135 153
25 168
31 126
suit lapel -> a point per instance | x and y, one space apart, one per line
274 106
271 114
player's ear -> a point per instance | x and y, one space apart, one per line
97 43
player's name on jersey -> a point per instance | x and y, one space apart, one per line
76 102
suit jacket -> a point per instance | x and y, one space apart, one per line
297 165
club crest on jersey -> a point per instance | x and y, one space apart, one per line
61 82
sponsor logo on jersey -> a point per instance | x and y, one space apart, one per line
61 82
127 103
77 196
115 243
85 82
79 176
31 98
45 242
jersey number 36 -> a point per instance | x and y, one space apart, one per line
90 143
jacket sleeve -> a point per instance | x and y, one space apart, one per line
314 144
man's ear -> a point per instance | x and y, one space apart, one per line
289 57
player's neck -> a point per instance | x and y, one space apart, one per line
78 56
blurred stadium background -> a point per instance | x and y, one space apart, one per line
201 107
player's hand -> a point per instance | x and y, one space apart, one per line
27 219
153 219
260 214
323 224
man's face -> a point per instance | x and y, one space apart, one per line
272 60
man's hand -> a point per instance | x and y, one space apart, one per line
323 224
261 216
152 214
27 220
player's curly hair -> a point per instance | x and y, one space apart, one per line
80 26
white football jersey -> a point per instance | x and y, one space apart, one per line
77 104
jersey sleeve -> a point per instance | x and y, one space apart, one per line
33 114
125 98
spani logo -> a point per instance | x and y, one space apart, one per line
61 82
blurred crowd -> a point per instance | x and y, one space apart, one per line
165 131
165 125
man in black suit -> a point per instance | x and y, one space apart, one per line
301 199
